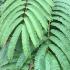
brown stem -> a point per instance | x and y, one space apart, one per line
25 6
49 29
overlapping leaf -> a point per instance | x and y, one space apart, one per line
34 31
59 45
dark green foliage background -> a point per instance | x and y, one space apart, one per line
34 34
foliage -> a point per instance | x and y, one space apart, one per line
35 35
